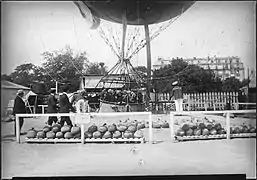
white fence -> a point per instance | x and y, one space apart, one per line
227 112
84 118
197 101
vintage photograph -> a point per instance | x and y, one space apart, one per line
128 88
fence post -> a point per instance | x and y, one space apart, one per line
172 127
82 133
222 100
236 101
150 129
216 100
17 125
204 101
228 124
208 99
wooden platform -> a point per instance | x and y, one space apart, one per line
218 136
87 140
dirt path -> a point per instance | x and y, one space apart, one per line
202 157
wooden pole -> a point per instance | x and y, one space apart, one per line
82 134
17 125
150 129
172 127
148 54
248 78
124 30
228 125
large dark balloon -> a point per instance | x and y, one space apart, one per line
138 12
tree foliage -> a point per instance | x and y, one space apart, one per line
233 84
64 67
26 74
96 68
192 78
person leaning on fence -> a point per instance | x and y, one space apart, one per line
19 108
65 107
52 107
178 96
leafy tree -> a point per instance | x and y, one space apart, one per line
65 67
233 84
6 77
96 68
141 70
191 77
26 74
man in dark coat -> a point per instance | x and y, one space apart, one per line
65 107
19 108
52 107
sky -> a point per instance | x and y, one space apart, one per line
208 28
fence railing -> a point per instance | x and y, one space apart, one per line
227 120
197 101
82 119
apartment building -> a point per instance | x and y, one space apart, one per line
223 67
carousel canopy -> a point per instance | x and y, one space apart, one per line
138 12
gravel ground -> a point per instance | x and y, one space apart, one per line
162 158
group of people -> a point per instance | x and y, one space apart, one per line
121 96
54 105
79 100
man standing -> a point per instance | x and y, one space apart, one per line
52 107
65 107
178 96
19 108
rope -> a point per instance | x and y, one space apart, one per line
103 36
154 35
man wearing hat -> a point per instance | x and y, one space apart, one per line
178 96
52 107
65 107
19 108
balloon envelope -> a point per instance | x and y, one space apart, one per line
138 12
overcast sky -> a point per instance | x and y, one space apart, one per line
206 29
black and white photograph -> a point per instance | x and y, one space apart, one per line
128 88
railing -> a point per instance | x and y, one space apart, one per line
167 106
210 100
83 118
227 112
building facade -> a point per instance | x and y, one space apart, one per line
223 67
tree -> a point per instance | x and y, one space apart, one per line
6 77
96 69
142 71
233 84
192 78
26 74
65 67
